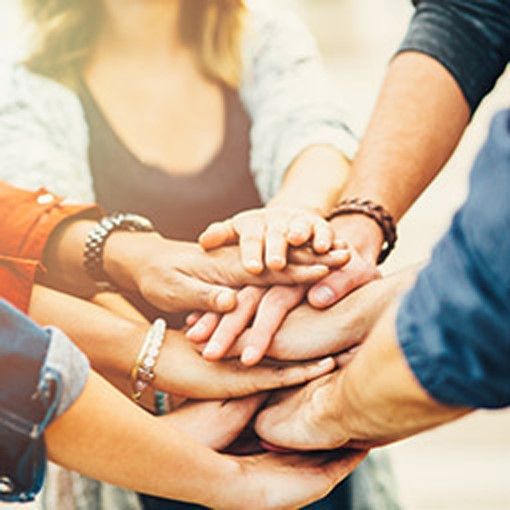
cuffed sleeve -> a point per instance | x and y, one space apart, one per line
454 325
72 365
28 220
41 374
288 96
470 39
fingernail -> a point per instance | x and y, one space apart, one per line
340 253
224 300
253 265
324 296
276 261
326 362
250 355
212 349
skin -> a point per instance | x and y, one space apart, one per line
267 311
360 406
406 144
308 333
112 345
172 275
106 437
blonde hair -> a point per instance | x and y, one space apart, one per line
67 29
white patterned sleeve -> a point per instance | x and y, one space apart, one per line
288 95
43 135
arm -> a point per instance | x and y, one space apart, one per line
112 345
450 59
156 459
446 351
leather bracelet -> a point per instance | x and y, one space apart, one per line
377 213
96 240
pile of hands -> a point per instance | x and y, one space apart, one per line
282 304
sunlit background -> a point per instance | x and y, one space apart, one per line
465 466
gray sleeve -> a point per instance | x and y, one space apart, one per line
470 39
72 365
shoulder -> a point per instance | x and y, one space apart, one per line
276 28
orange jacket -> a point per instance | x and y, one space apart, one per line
27 219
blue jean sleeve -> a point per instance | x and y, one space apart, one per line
454 325
470 39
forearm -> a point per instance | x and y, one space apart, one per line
379 398
110 342
419 118
314 180
106 437
63 257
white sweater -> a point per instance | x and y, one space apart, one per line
44 136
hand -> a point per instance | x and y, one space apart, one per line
264 235
269 307
334 287
304 419
285 482
307 333
216 424
177 276
182 371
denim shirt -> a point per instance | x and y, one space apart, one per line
454 325
469 38
41 374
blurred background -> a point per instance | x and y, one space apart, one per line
461 466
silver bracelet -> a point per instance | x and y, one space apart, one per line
96 240
142 374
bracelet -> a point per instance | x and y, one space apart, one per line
142 374
96 240
377 213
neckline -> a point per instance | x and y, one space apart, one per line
89 99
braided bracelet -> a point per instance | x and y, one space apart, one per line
377 213
142 373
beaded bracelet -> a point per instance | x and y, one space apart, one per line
142 374
375 212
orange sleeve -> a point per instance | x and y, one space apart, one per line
27 219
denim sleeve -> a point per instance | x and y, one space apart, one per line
470 39
454 325
33 375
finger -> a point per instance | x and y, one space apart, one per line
233 324
344 358
323 236
263 378
300 231
276 248
193 318
251 243
204 328
206 296
341 282
272 310
217 234
333 259
303 274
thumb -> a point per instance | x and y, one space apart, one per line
207 297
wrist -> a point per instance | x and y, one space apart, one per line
361 232
125 254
